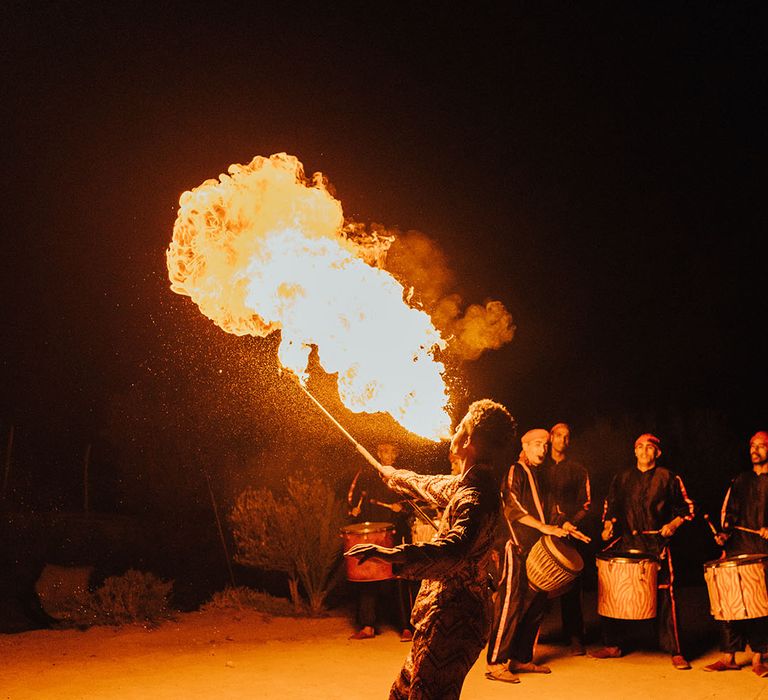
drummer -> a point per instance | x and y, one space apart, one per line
518 609
368 500
567 494
646 504
746 505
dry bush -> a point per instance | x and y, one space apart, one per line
297 534
133 597
244 598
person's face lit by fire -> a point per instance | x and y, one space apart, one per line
560 438
461 452
758 450
455 463
535 450
646 453
387 453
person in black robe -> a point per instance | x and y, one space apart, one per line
567 495
369 500
746 505
518 609
646 504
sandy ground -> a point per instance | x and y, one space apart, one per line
224 654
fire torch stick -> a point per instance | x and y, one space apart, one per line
368 456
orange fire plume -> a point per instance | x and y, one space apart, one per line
263 249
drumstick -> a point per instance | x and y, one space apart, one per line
416 509
746 529
646 532
388 506
711 526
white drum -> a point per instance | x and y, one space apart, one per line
626 585
737 587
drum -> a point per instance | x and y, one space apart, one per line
369 533
737 587
424 532
552 565
626 585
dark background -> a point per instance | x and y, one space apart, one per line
599 168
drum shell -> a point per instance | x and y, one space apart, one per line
626 585
737 587
552 565
368 533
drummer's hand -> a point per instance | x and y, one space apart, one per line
721 538
396 507
764 533
607 532
573 531
354 512
363 552
670 528
553 530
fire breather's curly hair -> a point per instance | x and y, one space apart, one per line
492 424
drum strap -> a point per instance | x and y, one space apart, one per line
534 492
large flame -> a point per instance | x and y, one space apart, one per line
262 249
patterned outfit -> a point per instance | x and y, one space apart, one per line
647 500
451 614
518 609
746 505
567 495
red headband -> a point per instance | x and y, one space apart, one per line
649 437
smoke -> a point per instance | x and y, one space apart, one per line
418 261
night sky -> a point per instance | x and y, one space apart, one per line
597 167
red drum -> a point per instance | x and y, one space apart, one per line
552 565
737 587
368 533
626 585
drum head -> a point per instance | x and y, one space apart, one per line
367 528
564 552
738 560
630 556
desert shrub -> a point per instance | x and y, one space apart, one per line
244 598
297 534
133 597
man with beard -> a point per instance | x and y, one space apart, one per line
518 609
646 504
451 613
565 484
746 505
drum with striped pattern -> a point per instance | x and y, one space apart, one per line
626 585
552 565
737 587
